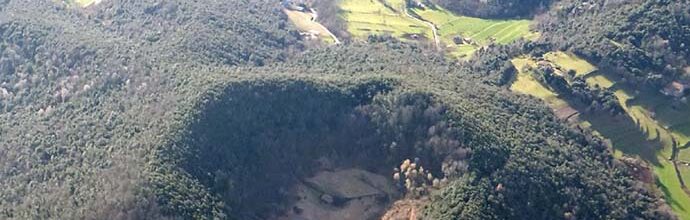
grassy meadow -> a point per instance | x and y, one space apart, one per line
369 17
526 84
479 31
648 129
569 61
381 17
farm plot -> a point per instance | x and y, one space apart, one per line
567 62
526 84
373 17
648 130
599 80
649 110
463 35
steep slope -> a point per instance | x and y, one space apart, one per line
85 94
645 42
495 8
179 109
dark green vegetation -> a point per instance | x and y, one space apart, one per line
151 109
495 8
639 47
646 42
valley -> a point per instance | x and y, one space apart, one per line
651 131
648 129
347 109
459 36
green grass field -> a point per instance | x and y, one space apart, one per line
685 153
526 84
480 31
667 111
682 133
639 108
569 61
599 80
367 17
647 130
386 17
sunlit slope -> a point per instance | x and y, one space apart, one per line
460 35
652 126
365 17
463 35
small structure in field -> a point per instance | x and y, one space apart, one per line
676 89
458 40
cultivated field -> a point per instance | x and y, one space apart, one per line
599 80
660 122
387 17
526 84
648 110
367 17
648 129
567 62
476 31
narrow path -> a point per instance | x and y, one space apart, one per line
437 39
315 16
335 38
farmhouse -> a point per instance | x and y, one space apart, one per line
676 89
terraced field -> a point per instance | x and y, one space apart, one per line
648 131
659 121
367 17
567 62
478 32
526 84
661 142
387 17
599 80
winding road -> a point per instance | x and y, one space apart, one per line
315 16
437 39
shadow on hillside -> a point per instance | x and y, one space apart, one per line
669 199
254 144
625 135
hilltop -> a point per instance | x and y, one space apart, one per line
180 109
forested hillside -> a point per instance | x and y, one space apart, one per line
155 109
86 94
495 8
646 42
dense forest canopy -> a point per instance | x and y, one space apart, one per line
495 8
646 42
155 109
